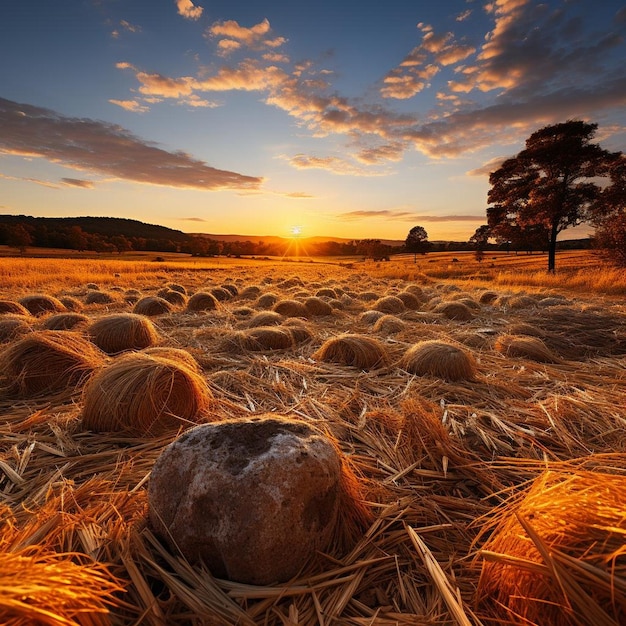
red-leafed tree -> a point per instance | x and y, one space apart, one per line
550 183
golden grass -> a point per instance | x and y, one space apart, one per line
145 395
442 466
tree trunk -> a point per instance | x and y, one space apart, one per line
552 250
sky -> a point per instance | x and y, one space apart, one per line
329 118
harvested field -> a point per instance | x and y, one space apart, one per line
483 497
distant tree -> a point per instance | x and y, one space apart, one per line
18 236
549 183
416 241
479 240
78 239
611 239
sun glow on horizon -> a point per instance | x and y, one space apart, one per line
295 231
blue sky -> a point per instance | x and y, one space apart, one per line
350 119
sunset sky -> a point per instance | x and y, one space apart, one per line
343 118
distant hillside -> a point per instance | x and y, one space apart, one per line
106 226
271 239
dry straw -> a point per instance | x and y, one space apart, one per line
152 305
142 395
454 311
370 317
201 301
259 339
265 318
290 308
558 556
173 297
410 300
266 301
300 332
41 304
317 307
123 331
525 347
64 321
100 297
326 292
9 306
440 360
177 287
232 289
487 297
13 326
174 354
71 304
221 294
48 361
389 325
359 351
389 304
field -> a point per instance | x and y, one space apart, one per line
495 486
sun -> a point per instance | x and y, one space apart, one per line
295 231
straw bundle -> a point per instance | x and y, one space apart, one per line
368 296
389 324
522 302
298 329
525 347
522 328
265 318
326 292
48 361
40 304
558 556
123 331
250 293
454 311
174 354
258 339
99 297
152 305
487 297
132 295
71 304
13 326
8 306
173 297
144 395
93 286
410 300
177 287
359 351
231 288
317 307
201 301
64 321
389 304
370 317
416 290
440 360
266 301
551 301
290 308
221 294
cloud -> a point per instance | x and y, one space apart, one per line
378 154
335 165
299 194
99 147
490 166
78 182
188 10
130 105
36 181
461 17
407 216
235 36
191 219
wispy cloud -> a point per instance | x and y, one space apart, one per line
78 182
191 219
335 165
407 216
231 36
490 166
94 146
188 9
130 105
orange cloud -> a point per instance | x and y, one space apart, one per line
188 10
407 216
130 105
334 165
159 85
89 145
78 182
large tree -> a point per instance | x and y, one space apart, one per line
416 241
550 183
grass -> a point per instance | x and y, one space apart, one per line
453 472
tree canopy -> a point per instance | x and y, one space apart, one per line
549 186
417 240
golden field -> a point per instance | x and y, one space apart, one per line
497 495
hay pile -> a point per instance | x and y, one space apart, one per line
64 321
100 297
454 311
290 308
39 304
48 361
525 347
13 326
557 556
439 359
152 306
123 331
258 339
9 306
201 301
360 351
144 395
389 305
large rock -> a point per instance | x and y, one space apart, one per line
252 499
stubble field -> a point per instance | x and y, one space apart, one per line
481 411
